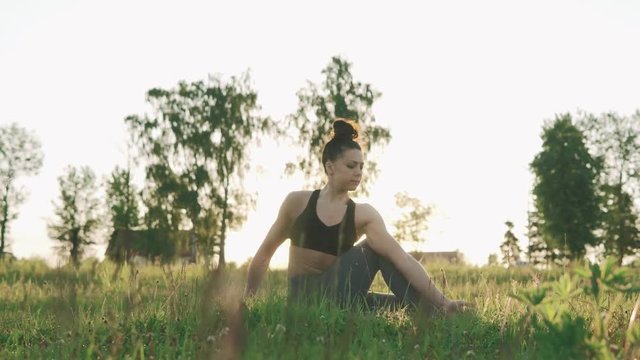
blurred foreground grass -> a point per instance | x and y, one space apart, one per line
187 312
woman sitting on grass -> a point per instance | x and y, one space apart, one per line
323 226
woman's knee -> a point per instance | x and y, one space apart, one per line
370 252
366 246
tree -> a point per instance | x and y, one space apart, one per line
161 192
492 260
565 188
537 249
615 140
412 225
122 202
197 148
510 248
339 96
20 155
619 229
77 212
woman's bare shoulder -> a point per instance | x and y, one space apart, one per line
298 195
366 215
366 211
296 201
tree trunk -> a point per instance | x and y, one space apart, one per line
75 248
620 256
5 219
223 227
193 249
621 227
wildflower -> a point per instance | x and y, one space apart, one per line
224 331
320 339
416 346
211 338
536 280
280 328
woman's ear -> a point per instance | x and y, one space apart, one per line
329 166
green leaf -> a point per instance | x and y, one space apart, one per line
533 296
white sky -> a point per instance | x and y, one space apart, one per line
466 87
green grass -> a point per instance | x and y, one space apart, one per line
176 312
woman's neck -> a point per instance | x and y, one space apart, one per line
333 195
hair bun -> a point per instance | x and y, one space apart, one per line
343 130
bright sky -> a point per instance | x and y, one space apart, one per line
466 87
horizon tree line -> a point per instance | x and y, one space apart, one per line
195 149
586 189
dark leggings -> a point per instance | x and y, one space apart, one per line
348 280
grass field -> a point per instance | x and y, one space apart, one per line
186 312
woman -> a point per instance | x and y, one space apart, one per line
323 226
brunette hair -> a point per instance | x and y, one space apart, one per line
345 133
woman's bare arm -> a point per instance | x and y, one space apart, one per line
275 237
383 243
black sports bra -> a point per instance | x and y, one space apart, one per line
310 233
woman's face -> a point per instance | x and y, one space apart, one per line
346 170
